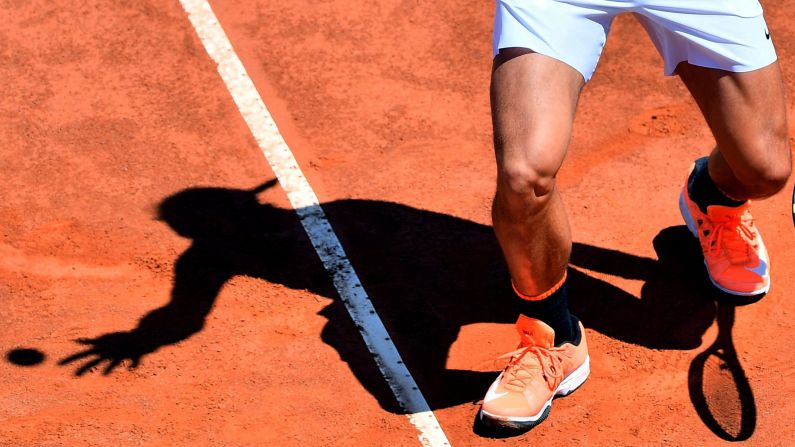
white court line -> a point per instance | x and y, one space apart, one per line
314 221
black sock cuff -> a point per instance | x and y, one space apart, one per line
703 191
554 311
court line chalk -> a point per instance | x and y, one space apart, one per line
314 221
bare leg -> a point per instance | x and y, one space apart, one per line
747 115
533 100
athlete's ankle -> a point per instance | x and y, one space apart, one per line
703 190
552 308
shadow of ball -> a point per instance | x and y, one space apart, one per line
25 356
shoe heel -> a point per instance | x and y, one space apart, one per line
686 215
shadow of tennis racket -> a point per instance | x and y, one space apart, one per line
718 386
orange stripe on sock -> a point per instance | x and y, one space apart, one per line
726 194
543 295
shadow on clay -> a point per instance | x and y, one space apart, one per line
718 386
428 274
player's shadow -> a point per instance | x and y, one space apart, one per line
428 274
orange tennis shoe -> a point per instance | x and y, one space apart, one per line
735 256
521 397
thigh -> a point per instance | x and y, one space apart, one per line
746 113
571 32
533 100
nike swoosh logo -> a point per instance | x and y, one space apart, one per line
761 269
492 394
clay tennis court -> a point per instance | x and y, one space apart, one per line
158 288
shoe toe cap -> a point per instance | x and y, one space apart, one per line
740 280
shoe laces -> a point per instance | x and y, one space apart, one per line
531 359
733 233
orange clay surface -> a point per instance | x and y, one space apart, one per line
130 218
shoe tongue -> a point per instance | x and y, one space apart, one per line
720 212
535 332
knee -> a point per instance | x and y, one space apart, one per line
532 182
767 175
775 178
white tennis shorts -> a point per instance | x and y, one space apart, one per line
724 34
